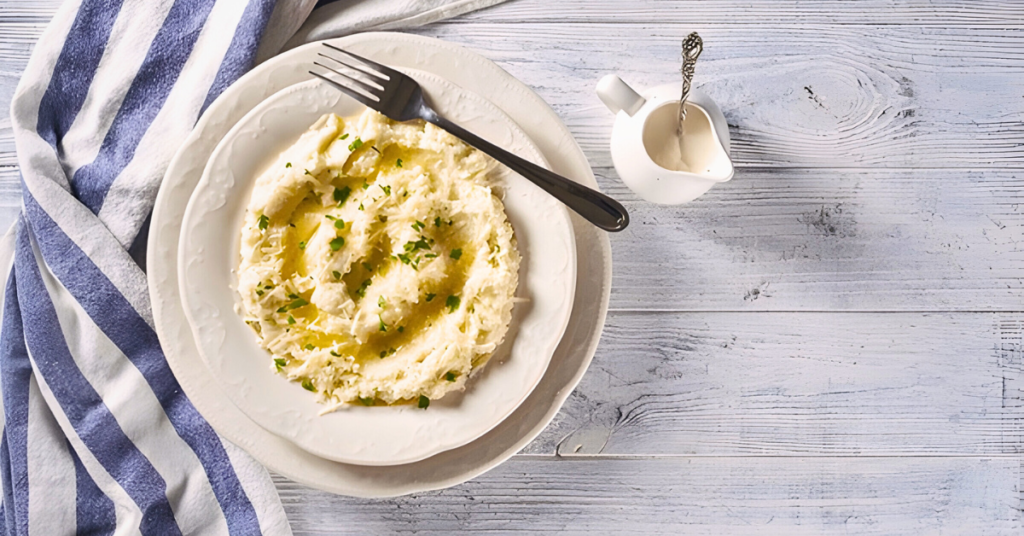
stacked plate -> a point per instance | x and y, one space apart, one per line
390 450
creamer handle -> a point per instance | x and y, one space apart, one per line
617 95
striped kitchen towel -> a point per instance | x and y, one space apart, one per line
98 437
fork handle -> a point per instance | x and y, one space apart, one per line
595 207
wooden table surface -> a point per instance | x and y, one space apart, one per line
831 343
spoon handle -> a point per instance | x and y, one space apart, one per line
693 45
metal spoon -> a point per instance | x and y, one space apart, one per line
693 45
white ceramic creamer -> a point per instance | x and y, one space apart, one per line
645 142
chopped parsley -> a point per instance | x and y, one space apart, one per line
291 320
399 163
307 384
259 292
335 354
456 253
385 353
430 255
412 246
278 362
295 304
356 143
424 402
383 326
452 303
401 329
306 172
288 165
337 243
263 222
368 401
367 266
341 194
339 223
450 376
302 245
418 226
360 205
362 288
387 189
336 274
310 347
437 221
366 185
430 297
382 302
374 147
382 219
343 136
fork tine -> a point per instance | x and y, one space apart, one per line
366 101
356 77
359 84
357 67
382 68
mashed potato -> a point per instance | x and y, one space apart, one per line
377 265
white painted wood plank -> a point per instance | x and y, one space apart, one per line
800 95
14 9
798 384
868 240
683 496
758 12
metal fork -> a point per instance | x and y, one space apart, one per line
400 98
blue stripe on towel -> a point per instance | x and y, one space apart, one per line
10 525
15 373
75 68
81 404
241 55
119 321
171 48
95 511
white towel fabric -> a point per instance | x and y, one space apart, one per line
98 437
344 17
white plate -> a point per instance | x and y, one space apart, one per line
382 435
593 282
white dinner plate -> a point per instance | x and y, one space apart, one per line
593 282
208 257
